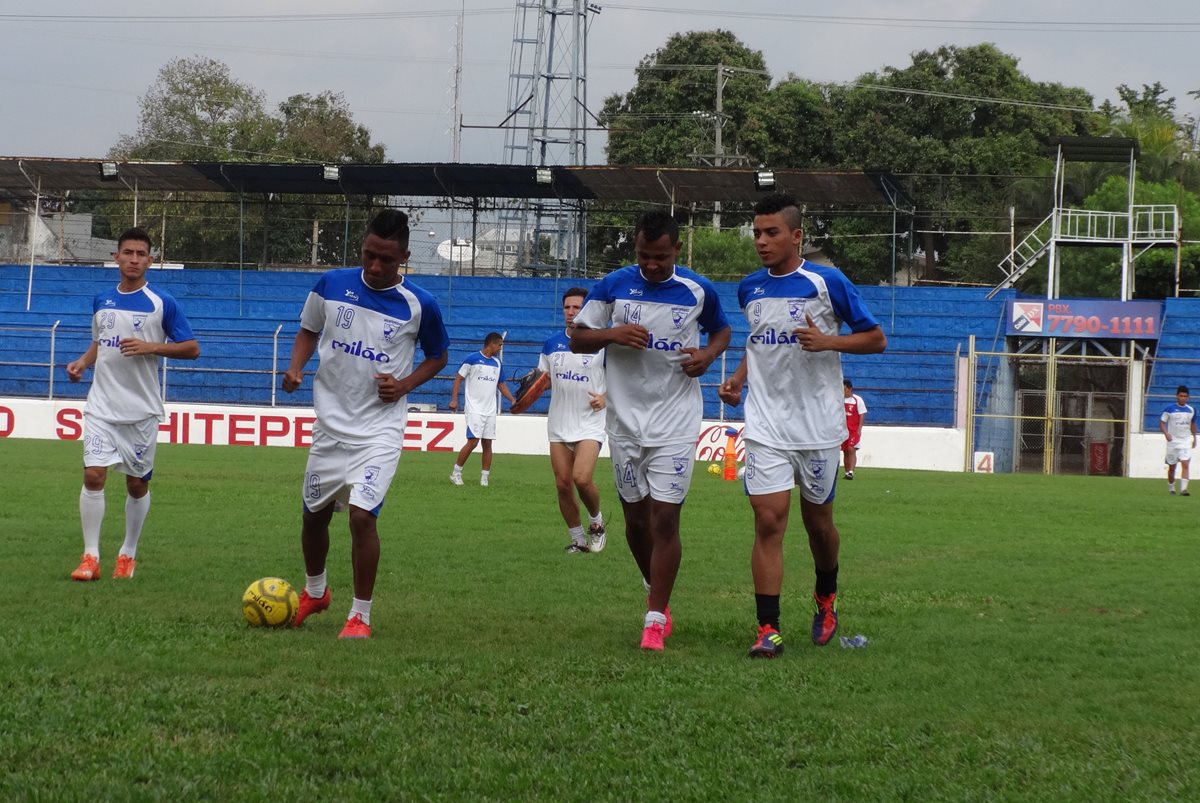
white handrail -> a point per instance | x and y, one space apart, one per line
274 361
53 334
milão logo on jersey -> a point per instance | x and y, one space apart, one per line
353 296
678 314
357 349
138 322
112 342
796 308
774 337
390 328
662 344
572 376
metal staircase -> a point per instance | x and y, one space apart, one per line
1026 254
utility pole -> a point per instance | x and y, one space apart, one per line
719 147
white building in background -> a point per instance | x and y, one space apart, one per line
57 237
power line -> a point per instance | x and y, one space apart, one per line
1069 26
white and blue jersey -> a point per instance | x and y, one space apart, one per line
126 389
795 397
573 378
1178 418
650 399
365 332
481 384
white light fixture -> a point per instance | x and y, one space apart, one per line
764 180
331 172
543 175
108 171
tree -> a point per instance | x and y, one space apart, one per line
790 125
959 154
321 128
197 111
668 115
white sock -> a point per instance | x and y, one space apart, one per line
315 585
457 470
655 617
483 475
597 519
363 608
1171 484
136 511
91 516
646 583
1183 484
576 534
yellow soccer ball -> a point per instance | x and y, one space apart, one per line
714 468
270 602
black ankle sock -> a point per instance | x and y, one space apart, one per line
768 609
827 582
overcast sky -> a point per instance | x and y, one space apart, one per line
76 68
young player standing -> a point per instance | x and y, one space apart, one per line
575 427
1178 426
132 326
367 323
649 317
856 414
481 373
795 421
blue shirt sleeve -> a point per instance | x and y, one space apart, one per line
432 335
175 323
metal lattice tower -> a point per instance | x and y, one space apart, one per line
547 125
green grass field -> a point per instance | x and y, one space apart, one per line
1031 638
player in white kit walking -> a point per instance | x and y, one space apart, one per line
480 372
648 317
132 327
575 427
367 322
1178 425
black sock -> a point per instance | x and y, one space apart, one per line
768 609
827 582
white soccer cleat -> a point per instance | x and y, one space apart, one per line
456 479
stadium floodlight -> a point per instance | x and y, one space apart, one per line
764 180
543 176
331 172
108 171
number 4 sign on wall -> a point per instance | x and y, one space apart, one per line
984 462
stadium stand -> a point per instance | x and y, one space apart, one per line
246 321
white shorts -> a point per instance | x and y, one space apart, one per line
481 426
770 470
663 473
1179 452
128 448
358 474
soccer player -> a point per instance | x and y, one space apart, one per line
575 426
856 414
795 421
648 317
367 323
481 373
132 326
1178 426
